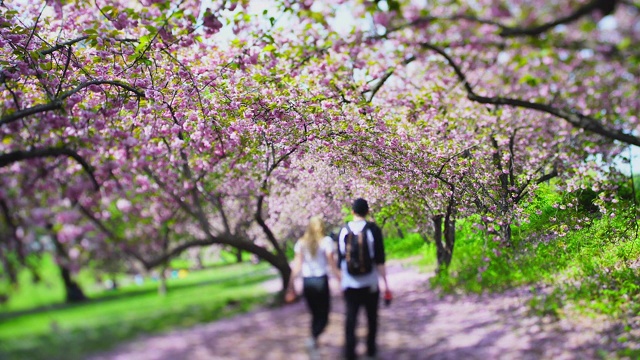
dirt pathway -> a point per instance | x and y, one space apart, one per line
418 325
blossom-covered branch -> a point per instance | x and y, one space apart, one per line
21 155
58 103
572 116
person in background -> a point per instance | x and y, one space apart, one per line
362 290
314 255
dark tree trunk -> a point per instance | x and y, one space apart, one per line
162 281
285 275
449 238
400 233
278 261
505 232
444 247
9 268
199 263
162 285
72 289
425 237
114 279
238 256
437 237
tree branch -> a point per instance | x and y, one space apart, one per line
20 155
54 105
176 197
227 239
62 45
606 6
547 177
572 116
385 77
57 103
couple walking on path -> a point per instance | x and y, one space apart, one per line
359 267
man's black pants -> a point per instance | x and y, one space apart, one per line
354 299
316 292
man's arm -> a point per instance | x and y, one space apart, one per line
379 254
382 272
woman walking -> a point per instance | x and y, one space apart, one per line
313 255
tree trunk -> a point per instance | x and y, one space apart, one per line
278 261
199 263
285 276
114 279
437 237
449 238
505 232
425 237
400 233
238 256
9 268
74 293
444 247
162 282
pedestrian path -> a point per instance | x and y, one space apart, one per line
419 324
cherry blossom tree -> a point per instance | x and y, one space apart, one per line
149 128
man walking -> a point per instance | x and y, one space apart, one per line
360 275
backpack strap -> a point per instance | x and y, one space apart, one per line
341 255
365 237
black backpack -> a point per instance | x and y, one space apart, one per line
356 252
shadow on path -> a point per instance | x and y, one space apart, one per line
419 324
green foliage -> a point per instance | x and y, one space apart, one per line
592 265
547 304
48 290
410 245
230 256
628 188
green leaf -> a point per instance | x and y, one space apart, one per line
624 44
144 42
394 5
46 66
588 26
529 80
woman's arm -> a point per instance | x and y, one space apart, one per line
331 259
296 267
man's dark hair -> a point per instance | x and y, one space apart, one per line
360 207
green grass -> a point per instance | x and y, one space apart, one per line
586 264
413 246
59 331
410 245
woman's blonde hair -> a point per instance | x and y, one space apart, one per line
313 235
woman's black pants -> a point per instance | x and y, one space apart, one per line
316 292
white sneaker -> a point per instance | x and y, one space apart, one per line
311 344
312 347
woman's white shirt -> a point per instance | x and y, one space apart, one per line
313 266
